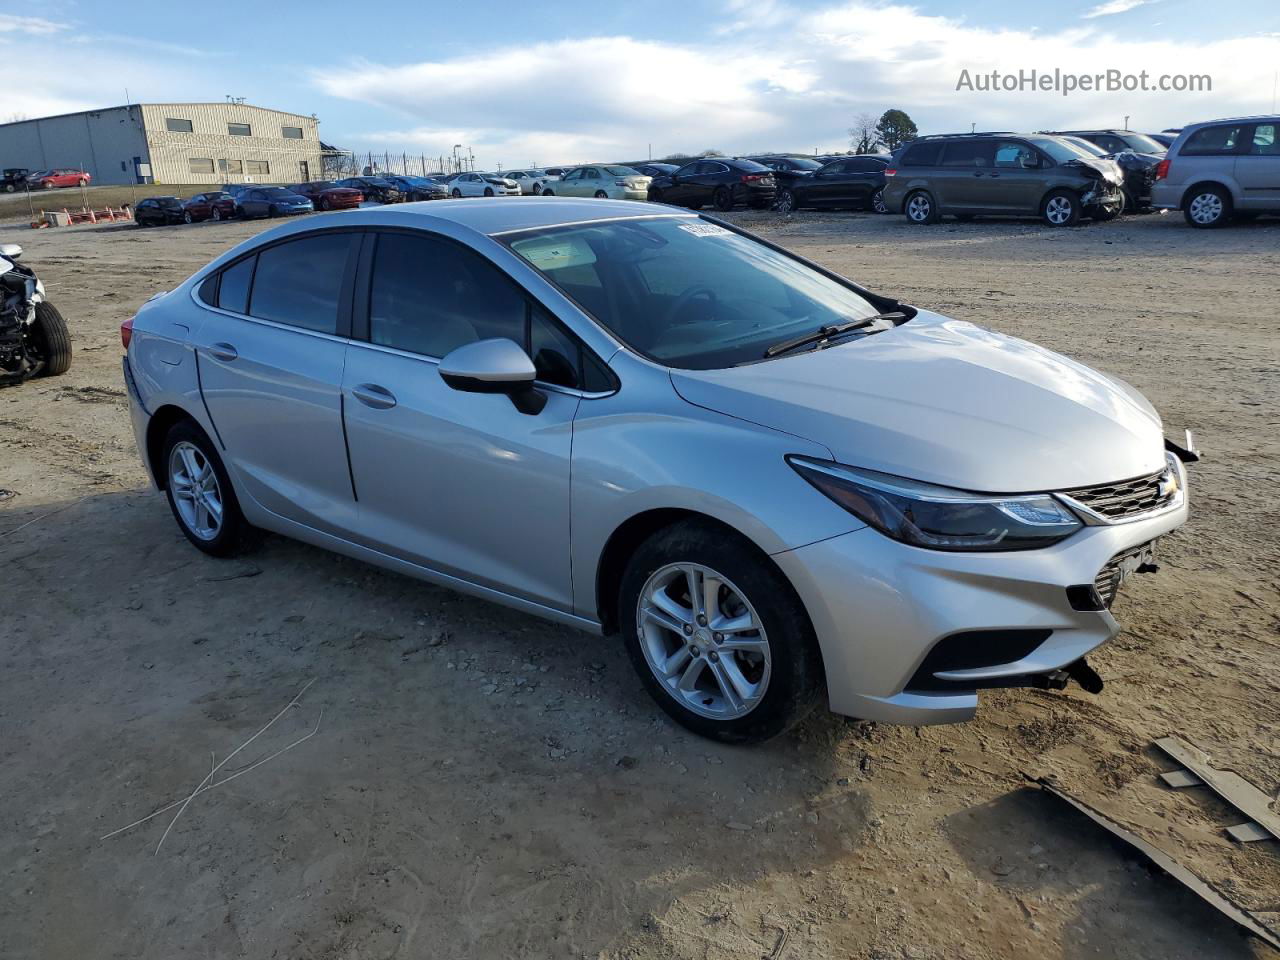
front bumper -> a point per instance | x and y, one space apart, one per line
879 607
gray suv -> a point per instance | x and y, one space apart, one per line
1004 175
1221 168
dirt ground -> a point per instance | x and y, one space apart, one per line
484 784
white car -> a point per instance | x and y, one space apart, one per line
531 182
483 185
602 181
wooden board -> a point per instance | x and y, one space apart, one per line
1231 787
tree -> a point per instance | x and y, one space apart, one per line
895 128
863 134
711 153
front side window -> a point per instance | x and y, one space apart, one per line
291 133
1264 141
1213 141
1010 154
239 130
686 292
298 282
175 125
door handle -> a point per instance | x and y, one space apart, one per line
223 351
979 174
994 176
372 395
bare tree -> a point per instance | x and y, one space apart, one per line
711 153
863 135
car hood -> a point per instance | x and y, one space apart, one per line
947 402
1108 169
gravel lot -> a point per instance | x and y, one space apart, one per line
483 784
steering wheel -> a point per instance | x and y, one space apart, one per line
685 299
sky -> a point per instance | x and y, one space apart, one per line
524 84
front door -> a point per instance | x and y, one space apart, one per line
573 184
1017 182
462 483
271 356
1257 169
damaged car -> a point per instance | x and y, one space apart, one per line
1136 154
1001 175
34 340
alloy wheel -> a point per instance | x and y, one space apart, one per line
919 208
1058 210
196 492
877 202
704 641
1206 208
217 214
786 202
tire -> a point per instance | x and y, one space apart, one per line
1207 207
548 192
54 340
537 189
457 194
272 212
786 202
47 184
187 217
601 195
216 214
787 677
10 188
228 537
920 208
1060 208
1106 214
655 196
723 199
488 191
322 203
877 202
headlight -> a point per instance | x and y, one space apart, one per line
39 288
940 518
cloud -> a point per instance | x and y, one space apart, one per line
36 26
784 80
1112 7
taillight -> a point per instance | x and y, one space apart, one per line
890 171
126 332
1162 169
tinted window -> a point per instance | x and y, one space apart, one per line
298 282
922 154
863 165
233 291
174 125
239 129
208 291
291 133
1212 141
429 296
969 153
554 351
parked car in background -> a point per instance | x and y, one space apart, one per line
216 205
61 177
785 167
271 202
633 420
1138 170
483 185
327 195
158 211
1221 168
1136 154
1027 175
530 182
1164 139
556 171
1114 141
415 188
602 181
14 178
377 189
723 182
654 169
851 183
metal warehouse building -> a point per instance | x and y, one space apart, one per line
170 143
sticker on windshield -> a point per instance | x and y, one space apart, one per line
555 254
705 230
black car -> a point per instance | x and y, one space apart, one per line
378 189
158 211
271 202
654 169
850 183
1137 154
13 179
720 181
418 188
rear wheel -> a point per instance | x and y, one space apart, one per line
199 491
1061 208
187 217
920 208
723 199
323 203
216 215
718 635
52 339
537 189
457 193
786 202
601 195
1207 207
548 192
488 191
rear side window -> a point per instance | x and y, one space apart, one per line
233 291
1213 141
299 282
922 155
969 153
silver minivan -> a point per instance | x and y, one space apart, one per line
1220 169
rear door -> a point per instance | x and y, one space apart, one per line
271 350
463 483
963 180
1257 169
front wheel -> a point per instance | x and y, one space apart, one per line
1061 208
187 217
548 192
1208 207
52 339
457 194
536 189
877 202
200 492
601 195
723 199
216 215
786 202
488 191
10 188
718 635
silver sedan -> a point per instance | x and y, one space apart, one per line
777 486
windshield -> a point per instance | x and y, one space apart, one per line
1060 150
686 292
1084 146
1142 143
276 193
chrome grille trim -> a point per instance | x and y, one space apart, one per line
1130 500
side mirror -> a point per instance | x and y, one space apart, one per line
494 366
11 250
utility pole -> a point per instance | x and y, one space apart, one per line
973 127
1126 121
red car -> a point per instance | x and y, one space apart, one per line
217 205
62 177
326 195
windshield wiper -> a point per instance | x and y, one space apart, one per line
829 331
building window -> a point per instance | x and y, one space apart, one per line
174 125
233 167
261 167
292 133
200 165
239 130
